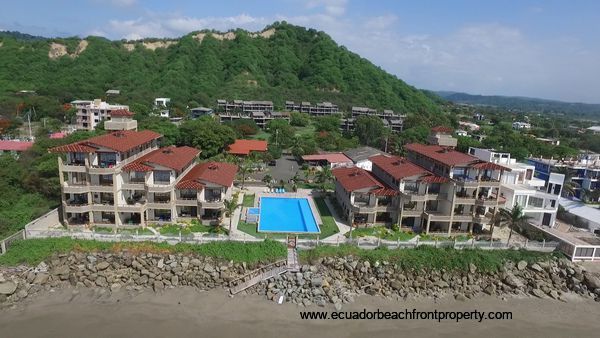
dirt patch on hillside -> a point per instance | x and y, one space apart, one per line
129 46
58 50
231 35
158 44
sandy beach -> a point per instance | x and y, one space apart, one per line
186 312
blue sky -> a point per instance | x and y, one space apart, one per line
548 49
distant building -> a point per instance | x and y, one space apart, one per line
551 141
332 160
442 136
468 125
14 147
120 119
521 125
595 129
113 92
478 117
245 147
90 113
162 104
319 109
360 156
461 133
199 112
261 112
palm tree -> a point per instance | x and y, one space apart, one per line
324 176
569 186
230 207
244 167
497 220
514 218
267 179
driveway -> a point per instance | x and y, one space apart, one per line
286 167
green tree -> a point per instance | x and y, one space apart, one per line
299 119
162 126
370 130
230 207
514 218
206 134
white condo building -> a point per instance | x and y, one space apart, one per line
90 113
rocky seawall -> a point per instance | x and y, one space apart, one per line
331 281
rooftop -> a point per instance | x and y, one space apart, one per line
220 173
441 154
355 178
121 141
329 157
121 113
244 147
10 145
362 153
176 158
398 167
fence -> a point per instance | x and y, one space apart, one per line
6 243
301 243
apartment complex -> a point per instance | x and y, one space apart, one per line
537 197
124 179
90 113
261 112
391 120
584 170
434 189
318 109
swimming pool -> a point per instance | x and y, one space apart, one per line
286 215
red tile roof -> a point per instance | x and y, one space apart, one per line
9 145
442 129
440 154
121 113
176 158
58 135
121 141
244 147
397 167
220 173
329 157
489 166
356 178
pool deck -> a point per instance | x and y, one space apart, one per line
299 194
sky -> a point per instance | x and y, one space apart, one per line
548 49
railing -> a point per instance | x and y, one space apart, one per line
6 243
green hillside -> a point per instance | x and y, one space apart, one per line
285 62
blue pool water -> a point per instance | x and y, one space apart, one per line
253 211
286 215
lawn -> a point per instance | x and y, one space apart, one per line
248 200
459 238
33 251
136 231
383 233
328 227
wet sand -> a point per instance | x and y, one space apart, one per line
186 312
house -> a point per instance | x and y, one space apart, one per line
551 141
120 119
360 156
459 132
521 125
468 125
442 136
14 147
539 199
478 117
332 160
113 92
245 147
584 171
162 101
319 109
90 113
594 129
200 112
57 135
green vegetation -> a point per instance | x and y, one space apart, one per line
429 237
383 233
248 200
425 257
173 229
33 251
328 227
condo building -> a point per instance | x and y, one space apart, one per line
90 113
318 109
435 189
124 179
261 112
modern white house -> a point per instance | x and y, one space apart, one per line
538 198
521 125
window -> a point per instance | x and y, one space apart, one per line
536 202
162 176
521 200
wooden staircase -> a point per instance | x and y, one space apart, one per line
268 271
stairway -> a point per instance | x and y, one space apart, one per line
292 260
257 276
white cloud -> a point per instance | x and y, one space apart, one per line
331 7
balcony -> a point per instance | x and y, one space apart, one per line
486 201
413 196
160 187
438 216
212 205
77 208
75 188
102 170
464 217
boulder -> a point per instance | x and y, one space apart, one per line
592 281
536 267
41 278
521 265
513 281
102 266
7 288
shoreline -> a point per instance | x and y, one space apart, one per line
188 312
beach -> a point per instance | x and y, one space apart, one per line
188 312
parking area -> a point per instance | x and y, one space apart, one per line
285 168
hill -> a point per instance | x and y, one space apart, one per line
283 62
526 104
